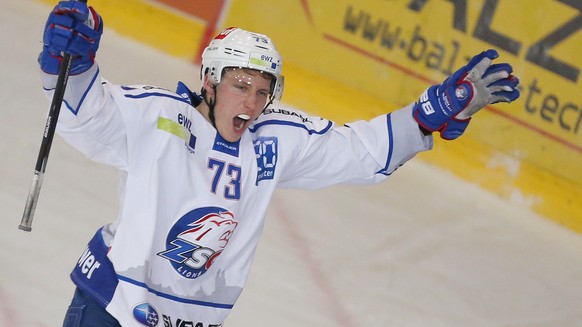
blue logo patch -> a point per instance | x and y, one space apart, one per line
266 150
197 239
462 92
224 146
146 315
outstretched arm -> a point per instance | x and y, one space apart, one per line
89 120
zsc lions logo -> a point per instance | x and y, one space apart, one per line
197 239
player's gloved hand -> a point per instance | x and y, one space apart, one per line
71 28
448 107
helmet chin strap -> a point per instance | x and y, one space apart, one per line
268 103
211 104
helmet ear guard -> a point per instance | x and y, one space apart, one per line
277 88
235 47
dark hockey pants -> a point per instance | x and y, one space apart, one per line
85 312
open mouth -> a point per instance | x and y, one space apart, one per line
240 121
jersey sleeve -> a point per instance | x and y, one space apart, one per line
317 153
89 120
102 119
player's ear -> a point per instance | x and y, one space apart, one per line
208 85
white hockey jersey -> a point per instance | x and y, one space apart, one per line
192 205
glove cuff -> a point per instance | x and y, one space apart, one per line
427 111
454 128
51 64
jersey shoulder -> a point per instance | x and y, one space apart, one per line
151 92
290 119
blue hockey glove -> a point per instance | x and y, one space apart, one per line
71 28
448 107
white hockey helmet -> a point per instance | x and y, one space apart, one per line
235 47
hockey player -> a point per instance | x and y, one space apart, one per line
198 170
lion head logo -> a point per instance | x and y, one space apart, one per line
197 239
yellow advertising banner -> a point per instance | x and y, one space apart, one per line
393 49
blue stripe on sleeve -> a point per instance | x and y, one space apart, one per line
384 170
288 123
75 111
156 94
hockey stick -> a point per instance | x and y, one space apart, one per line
47 140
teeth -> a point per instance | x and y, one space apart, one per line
244 117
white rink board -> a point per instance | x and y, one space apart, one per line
423 249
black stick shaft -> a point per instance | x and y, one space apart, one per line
45 146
